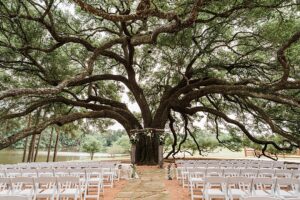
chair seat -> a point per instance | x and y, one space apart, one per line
46 193
215 193
25 192
237 193
262 193
69 192
288 194
4 192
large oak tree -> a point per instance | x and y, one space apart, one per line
236 62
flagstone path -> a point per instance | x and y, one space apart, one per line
151 185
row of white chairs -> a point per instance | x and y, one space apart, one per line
107 174
230 188
184 174
240 164
55 165
52 187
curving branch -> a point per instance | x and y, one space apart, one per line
60 121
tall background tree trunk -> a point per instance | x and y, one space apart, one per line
26 140
56 144
49 145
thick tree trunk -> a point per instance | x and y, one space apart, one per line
147 149
49 146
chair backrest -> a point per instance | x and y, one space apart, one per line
45 172
78 173
215 180
249 172
13 173
261 183
241 182
68 180
296 174
197 173
214 172
45 180
64 182
20 183
29 172
5 184
292 166
266 173
278 165
61 172
285 182
229 172
283 173
14 197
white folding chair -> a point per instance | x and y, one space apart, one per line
215 187
108 174
46 187
263 186
238 187
5 186
196 179
23 186
69 187
287 188
94 180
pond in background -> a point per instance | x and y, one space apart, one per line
15 156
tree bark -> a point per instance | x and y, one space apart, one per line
147 149
56 144
49 146
26 141
37 147
31 148
25 150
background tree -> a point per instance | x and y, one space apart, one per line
234 62
92 145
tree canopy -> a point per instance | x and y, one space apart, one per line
235 63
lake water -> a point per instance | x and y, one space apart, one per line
15 156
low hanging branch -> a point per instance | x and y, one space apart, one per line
171 125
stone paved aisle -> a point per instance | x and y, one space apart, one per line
150 186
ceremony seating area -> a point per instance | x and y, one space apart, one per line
239 179
75 180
